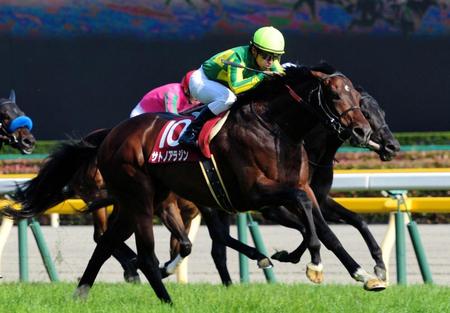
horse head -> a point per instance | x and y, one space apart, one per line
340 106
15 126
304 96
387 146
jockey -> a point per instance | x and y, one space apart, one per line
173 98
217 84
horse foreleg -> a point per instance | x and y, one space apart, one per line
171 218
180 245
117 232
356 221
218 233
332 243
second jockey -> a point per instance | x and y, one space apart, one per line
173 98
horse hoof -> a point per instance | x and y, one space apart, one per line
375 284
81 293
132 278
284 256
314 273
281 256
380 272
163 272
265 263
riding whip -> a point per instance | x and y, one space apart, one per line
234 64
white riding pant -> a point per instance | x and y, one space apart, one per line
218 97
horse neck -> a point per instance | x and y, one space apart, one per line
321 146
283 115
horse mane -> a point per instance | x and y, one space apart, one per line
268 89
324 67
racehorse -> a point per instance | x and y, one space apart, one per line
15 131
15 126
259 153
321 147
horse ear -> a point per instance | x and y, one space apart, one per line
319 75
12 95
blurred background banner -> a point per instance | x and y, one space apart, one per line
81 65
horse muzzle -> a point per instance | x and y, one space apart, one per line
360 136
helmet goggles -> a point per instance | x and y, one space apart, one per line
267 56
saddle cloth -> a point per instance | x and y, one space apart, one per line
168 150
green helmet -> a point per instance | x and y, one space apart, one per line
269 39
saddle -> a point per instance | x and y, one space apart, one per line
168 150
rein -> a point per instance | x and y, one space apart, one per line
332 120
5 136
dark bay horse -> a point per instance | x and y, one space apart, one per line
258 151
15 126
321 146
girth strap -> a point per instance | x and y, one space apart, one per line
215 184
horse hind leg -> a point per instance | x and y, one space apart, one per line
147 261
123 254
118 231
128 260
219 253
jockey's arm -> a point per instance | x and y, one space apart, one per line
236 81
171 102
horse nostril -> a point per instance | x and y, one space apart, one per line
358 132
390 148
27 142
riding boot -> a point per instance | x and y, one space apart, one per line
190 135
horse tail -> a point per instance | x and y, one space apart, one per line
48 188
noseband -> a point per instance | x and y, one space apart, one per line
7 131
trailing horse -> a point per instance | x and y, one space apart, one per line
15 126
321 147
258 151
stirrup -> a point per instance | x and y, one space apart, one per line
188 140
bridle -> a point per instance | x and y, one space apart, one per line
332 120
7 135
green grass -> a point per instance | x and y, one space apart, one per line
57 297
